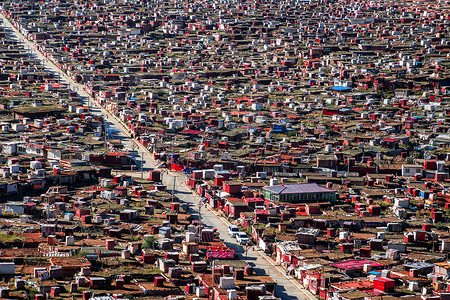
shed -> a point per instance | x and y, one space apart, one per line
7 268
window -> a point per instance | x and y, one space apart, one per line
407 171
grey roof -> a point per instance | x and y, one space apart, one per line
419 265
301 188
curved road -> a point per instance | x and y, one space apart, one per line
287 287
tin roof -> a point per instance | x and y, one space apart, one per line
301 188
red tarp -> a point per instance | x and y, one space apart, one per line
176 167
220 254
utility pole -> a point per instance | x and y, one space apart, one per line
173 189
213 267
142 164
88 100
246 252
348 166
378 161
133 146
200 219
106 131
173 160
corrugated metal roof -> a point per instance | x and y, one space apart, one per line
419 265
301 188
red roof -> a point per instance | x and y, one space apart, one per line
117 153
355 264
253 199
361 285
384 279
195 132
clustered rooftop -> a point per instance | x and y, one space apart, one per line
320 128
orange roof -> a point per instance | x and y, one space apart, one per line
117 153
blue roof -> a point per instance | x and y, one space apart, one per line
301 188
278 128
340 88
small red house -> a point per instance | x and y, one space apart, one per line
383 284
253 202
261 215
154 175
232 188
235 208
120 191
